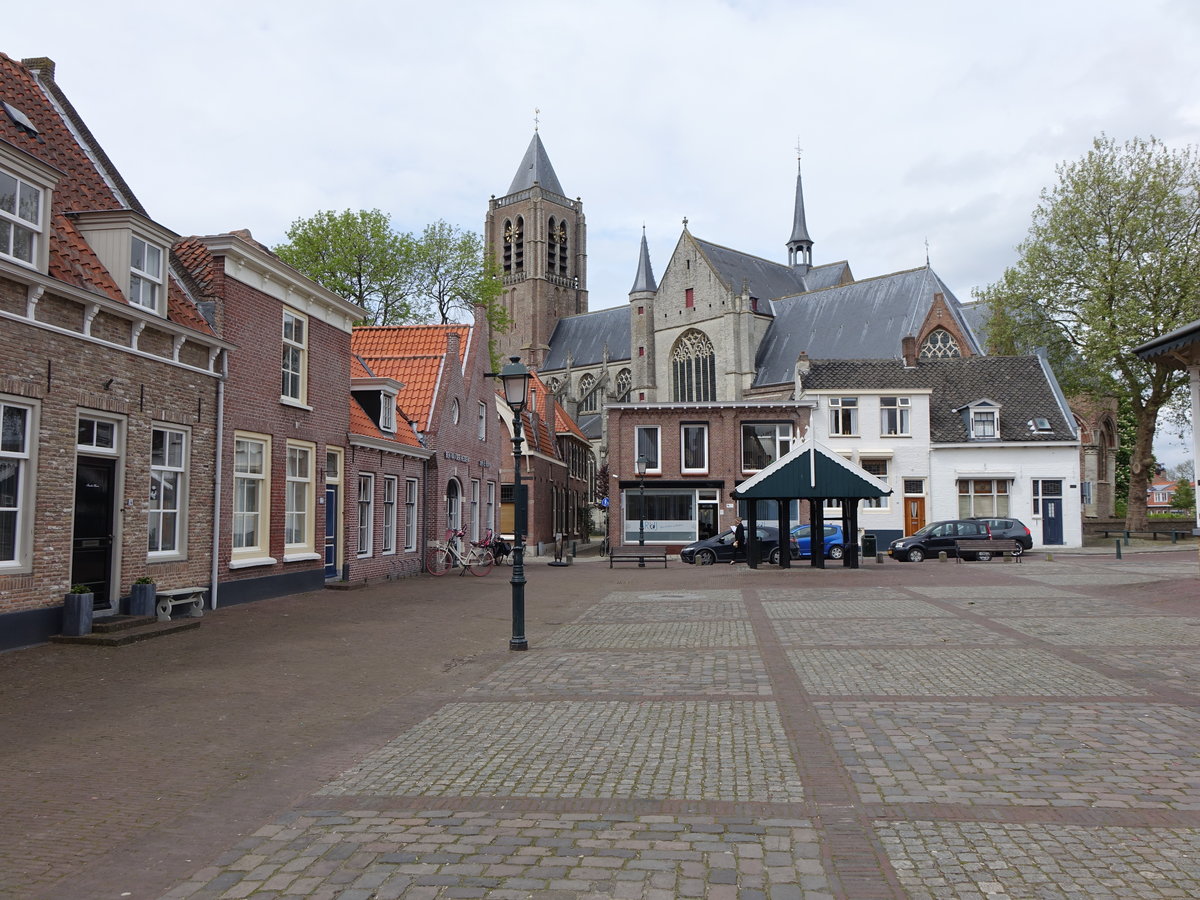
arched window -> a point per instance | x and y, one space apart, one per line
514 245
624 385
551 247
693 369
940 345
453 505
1108 444
589 401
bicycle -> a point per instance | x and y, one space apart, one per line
444 555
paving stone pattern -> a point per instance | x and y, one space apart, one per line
900 731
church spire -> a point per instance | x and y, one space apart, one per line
645 275
535 167
800 244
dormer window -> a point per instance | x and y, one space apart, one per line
387 412
982 420
145 274
20 219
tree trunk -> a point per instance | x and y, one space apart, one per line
1141 468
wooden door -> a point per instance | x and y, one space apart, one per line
914 514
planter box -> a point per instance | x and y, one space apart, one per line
77 614
141 599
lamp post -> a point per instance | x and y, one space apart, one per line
641 465
515 378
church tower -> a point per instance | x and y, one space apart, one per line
538 238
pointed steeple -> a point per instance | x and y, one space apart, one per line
645 275
535 167
800 244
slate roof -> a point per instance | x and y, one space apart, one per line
765 279
583 339
535 167
861 320
1024 387
89 182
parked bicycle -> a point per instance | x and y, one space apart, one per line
448 554
499 547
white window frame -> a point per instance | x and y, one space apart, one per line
388 539
146 275
970 502
843 416
169 468
877 503
294 361
978 417
476 534
684 427
782 440
17 224
481 433
387 412
490 514
899 411
244 476
653 437
366 514
299 513
21 455
410 515
105 437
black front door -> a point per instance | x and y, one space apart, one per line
92 548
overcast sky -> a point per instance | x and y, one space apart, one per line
919 122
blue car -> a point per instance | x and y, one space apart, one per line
835 544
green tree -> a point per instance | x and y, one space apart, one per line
358 256
454 274
1111 260
1185 495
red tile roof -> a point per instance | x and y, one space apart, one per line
89 182
362 424
409 340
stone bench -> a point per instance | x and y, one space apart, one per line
166 600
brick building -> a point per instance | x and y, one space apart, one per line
109 380
286 419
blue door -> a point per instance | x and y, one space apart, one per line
331 530
1052 525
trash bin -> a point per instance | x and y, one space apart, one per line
869 548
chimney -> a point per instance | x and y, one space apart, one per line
452 344
803 367
908 348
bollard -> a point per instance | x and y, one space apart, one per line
1174 537
1118 549
879 558
942 555
1127 539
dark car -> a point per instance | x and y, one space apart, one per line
938 537
720 548
1005 529
835 544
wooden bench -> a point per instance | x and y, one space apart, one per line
1173 535
989 548
165 600
638 555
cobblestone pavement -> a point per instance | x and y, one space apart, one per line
985 730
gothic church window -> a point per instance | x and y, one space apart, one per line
624 385
940 344
693 369
588 394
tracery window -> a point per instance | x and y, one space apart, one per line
693 369
940 344
588 399
624 385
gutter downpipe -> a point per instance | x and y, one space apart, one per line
217 471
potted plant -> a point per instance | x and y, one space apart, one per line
78 607
142 595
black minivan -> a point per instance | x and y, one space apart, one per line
938 537
720 548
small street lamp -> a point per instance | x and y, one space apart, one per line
641 465
515 378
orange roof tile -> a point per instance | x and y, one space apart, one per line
408 340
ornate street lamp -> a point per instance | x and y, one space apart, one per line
515 378
641 465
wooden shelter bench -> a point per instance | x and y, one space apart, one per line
997 547
638 555
166 600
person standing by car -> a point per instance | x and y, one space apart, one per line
739 540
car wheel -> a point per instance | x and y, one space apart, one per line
983 555
836 552
916 554
773 559
705 558
1018 551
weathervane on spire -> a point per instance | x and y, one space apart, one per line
927 252
536 113
799 149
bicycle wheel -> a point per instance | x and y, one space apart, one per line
438 561
480 561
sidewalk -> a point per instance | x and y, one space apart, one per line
973 730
